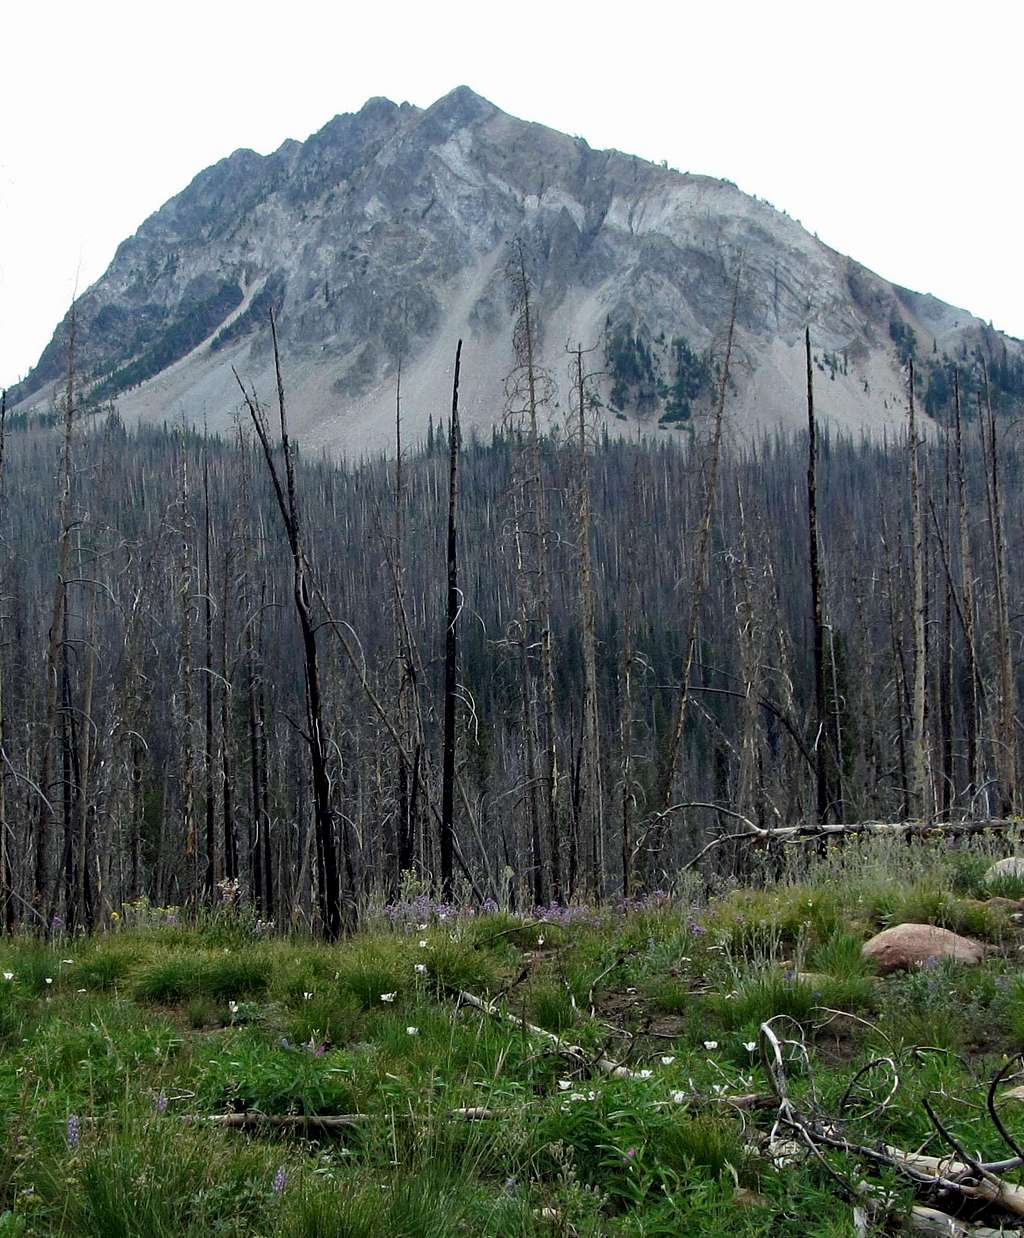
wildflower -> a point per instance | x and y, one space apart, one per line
160 1104
8 975
320 1049
307 996
115 916
423 943
284 1043
564 1085
710 1044
412 1031
421 968
49 980
540 939
696 928
68 961
71 1133
750 1045
667 1060
630 1155
679 1098
644 1074
233 1007
388 997
280 1181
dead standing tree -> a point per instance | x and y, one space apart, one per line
698 588
529 389
918 733
821 798
56 650
329 885
592 795
451 649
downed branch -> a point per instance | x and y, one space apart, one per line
322 1122
972 1181
601 1063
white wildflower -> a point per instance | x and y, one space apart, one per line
564 1085
68 961
233 1007
412 1031
306 996
49 980
679 1098
710 1044
8 975
540 939
667 1060
750 1045
421 968
423 943
644 1074
388 997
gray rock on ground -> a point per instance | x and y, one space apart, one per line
910 945
1012 866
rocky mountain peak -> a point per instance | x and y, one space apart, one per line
385 235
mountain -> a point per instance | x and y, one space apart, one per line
385 237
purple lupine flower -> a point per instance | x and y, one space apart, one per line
71 1132
320 1049
696 928
280 1181
160 1104
629 1156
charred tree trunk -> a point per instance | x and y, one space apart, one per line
451 649
821 796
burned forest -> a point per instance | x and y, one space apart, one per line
525 670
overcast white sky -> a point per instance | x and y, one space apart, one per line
893 130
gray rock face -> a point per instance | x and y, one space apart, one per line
385 235
911 945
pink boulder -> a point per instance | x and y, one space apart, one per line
910 945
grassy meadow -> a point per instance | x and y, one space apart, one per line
116 1050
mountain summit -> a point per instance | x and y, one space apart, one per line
384 237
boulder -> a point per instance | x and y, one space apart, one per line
1012 866
1008 905
910 945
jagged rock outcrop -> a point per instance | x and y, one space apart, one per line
385 235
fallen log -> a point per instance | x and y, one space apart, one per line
809 833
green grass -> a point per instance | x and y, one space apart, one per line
157 1022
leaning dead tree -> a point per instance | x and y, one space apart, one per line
332 914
